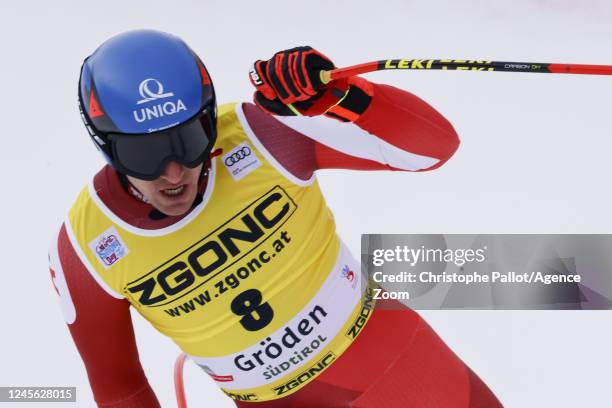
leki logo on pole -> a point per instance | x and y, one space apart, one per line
148 95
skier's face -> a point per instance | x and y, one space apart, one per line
174 191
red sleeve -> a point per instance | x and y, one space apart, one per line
397 131
402 120
101 328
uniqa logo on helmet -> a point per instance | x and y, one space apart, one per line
166 108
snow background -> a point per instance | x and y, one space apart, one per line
534 159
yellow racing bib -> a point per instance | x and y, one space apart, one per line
254 284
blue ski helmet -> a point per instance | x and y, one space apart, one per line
147 99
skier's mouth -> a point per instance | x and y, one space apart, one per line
174 192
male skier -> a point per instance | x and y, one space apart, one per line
210 223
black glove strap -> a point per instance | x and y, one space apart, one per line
350 108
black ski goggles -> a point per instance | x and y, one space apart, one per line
145 156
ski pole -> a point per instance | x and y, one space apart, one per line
178 381
464 65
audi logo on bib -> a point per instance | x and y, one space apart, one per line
241 160
237 156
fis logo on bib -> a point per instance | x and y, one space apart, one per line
152 90
240 161
109 247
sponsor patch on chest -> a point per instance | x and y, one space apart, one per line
240 161
109 247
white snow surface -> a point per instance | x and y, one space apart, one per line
534 159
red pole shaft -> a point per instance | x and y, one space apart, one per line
179 388
354 70
580 69
468 65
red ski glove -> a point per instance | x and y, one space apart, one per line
289 84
